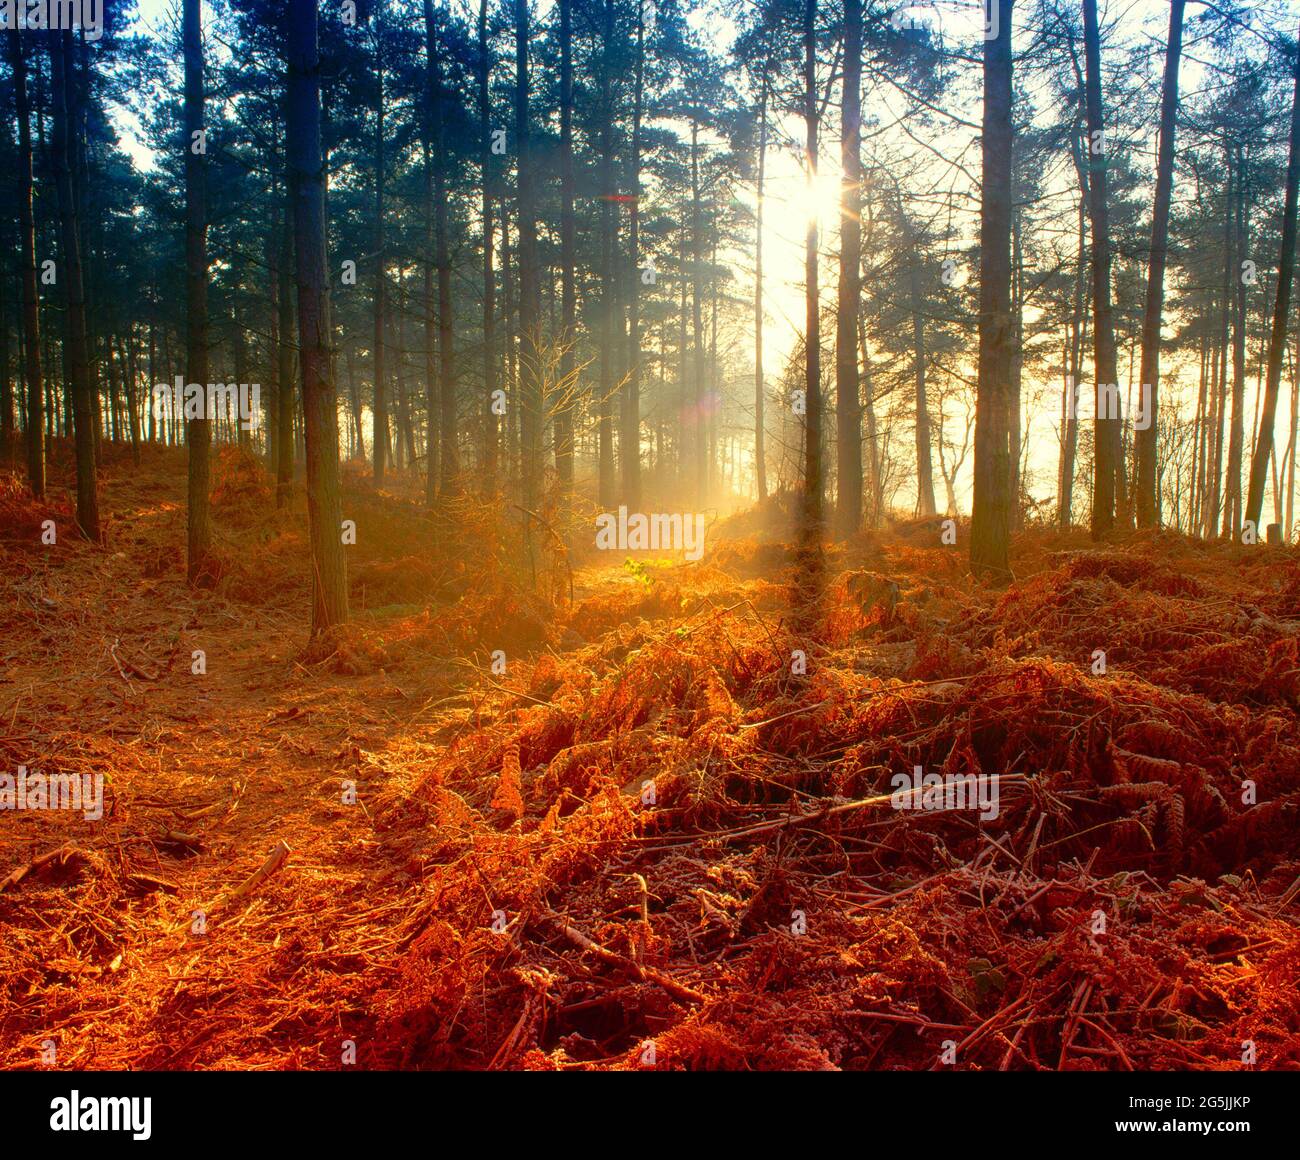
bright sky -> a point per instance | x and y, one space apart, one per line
790 198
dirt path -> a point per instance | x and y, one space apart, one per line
106 962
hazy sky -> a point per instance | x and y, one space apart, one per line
790 199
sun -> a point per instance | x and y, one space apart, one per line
818 200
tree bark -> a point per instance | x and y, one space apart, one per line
284 356
31 314
568 292
630 436
449 466
491 437
812 480
530 294
381 400
848 407
760 392
198 431
76 344
990 513
1107 464
1149 378
320 405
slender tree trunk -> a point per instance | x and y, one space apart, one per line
568 292
76 344
284 354
354 391
1148 379
449 468
699 433
608 275
381 399
630 437
320 406
925 505
199 431
1079 319
6 378
1288 528
1281 312
1017 362
760 433
1221 350
1198 438
1236 431
813 476
432 405
1107 462
126 350
990 514
685 411
848 408
31 313
153 372
491 437
530 292
874 489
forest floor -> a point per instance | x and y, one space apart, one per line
651 840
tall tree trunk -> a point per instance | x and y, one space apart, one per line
1107 462
568 292
241 371
848 408
381 399
990 513
126 349
760 433
320 406
354 392
608 274
685 411
491 437
1281 311
1221 350
1148 379
873 451
1288 527
925 505
813 480
1236 432
198 431
530 291
1198 437
31 313
449 467
630 437
699 434
6 379
1078 331
285 409
1017 360
432 406
76 344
